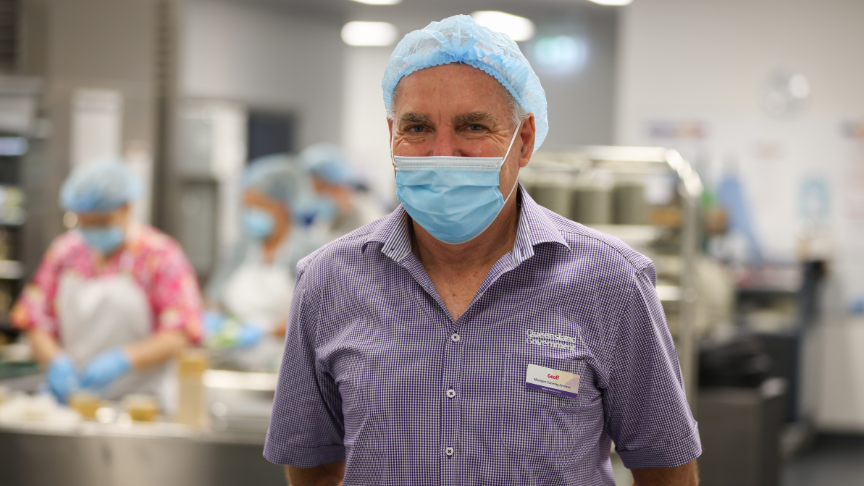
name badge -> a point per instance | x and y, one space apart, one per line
553 381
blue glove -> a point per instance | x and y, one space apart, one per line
62 377
249 336
105 368
212 320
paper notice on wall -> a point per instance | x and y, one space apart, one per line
97 125
799 178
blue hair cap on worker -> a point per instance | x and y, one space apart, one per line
99 186
328 162
275 176
461 39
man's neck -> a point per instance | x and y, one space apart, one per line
480 253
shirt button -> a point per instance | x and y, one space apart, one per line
451 393
449 451
455 337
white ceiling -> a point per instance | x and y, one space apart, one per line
411 14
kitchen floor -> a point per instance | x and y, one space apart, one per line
831 460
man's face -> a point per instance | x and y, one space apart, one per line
459 111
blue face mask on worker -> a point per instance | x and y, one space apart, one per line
311 209
258 224
324 208
104 239
453 198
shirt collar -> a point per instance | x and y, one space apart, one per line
393 234
535 227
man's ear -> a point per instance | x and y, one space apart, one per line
527 133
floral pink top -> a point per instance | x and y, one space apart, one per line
152 258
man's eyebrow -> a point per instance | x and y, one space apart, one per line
476 117
415 118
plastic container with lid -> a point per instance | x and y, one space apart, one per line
191 394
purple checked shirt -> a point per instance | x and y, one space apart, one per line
377 372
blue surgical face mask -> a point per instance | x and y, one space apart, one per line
104 239
453 198
311 209
324 208
258 224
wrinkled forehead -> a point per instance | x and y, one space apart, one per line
450 87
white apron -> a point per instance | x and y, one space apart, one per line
100 313
259 294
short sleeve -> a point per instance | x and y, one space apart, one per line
176 297
647 413
307 426
35 306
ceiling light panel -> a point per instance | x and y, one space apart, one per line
518 28
379 2
614 3
369 34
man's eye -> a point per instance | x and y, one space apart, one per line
475 127
416 129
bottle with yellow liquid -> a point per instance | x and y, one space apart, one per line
191 395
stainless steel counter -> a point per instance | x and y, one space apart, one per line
125 453
93 454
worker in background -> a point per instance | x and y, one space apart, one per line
341 206
254 285
113 299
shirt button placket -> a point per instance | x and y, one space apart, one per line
450 419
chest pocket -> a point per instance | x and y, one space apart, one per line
539 422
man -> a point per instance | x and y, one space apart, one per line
473 337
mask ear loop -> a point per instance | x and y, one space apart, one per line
505 201
393 137
518 129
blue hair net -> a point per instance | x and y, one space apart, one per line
328 162
275 176
99 186
460 39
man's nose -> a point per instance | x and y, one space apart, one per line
445 144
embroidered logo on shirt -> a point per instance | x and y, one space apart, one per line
552 340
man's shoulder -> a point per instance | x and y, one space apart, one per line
596 248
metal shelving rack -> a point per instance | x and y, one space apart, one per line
20 143
553 178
